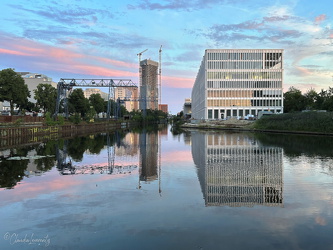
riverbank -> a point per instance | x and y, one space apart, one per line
26 134
310 123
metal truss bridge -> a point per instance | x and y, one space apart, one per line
66 85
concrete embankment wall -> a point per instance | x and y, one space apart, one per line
11 136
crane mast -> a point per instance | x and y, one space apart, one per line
160 75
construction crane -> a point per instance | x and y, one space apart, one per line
160 75
140 78
140 54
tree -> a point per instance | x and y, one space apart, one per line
311 99
13 89
294 100
78 102
97 102
46 97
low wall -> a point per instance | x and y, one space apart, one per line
11 136
23 119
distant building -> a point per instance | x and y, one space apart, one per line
163 107
238 82
32 80
149 84
88 92
187 109
129 96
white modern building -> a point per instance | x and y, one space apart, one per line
238 82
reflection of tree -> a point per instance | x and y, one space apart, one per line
12 172
295 145
46 149
97 144
77 146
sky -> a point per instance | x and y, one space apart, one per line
102 39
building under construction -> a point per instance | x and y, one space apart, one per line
149 84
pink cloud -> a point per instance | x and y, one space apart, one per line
100 71
320 18
177 82
46 57
117 63
13 52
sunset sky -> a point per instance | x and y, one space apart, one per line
101 39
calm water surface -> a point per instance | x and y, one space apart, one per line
161 190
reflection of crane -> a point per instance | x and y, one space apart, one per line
66 166
159 136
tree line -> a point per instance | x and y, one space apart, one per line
14 90
295 101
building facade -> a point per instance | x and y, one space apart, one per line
32 80
237 170
187 108
237 83
149 84
129 96
163 107
88 92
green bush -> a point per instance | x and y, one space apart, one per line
301 121
76 118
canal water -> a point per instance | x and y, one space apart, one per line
165 189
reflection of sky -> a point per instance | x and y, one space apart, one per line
109 212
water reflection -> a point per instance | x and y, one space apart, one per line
116 153
237 170
17 163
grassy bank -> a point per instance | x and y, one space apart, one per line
321 122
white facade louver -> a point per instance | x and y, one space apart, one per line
237 83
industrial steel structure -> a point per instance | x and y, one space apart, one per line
65 85
238 82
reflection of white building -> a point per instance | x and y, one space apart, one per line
235 170
238 82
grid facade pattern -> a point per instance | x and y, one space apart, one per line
235 170
148 88
238 83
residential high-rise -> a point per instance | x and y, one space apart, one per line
149 84
238 82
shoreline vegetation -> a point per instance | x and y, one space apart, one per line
312 123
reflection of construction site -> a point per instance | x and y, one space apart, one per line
126 162
148 156
235 170
134 152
